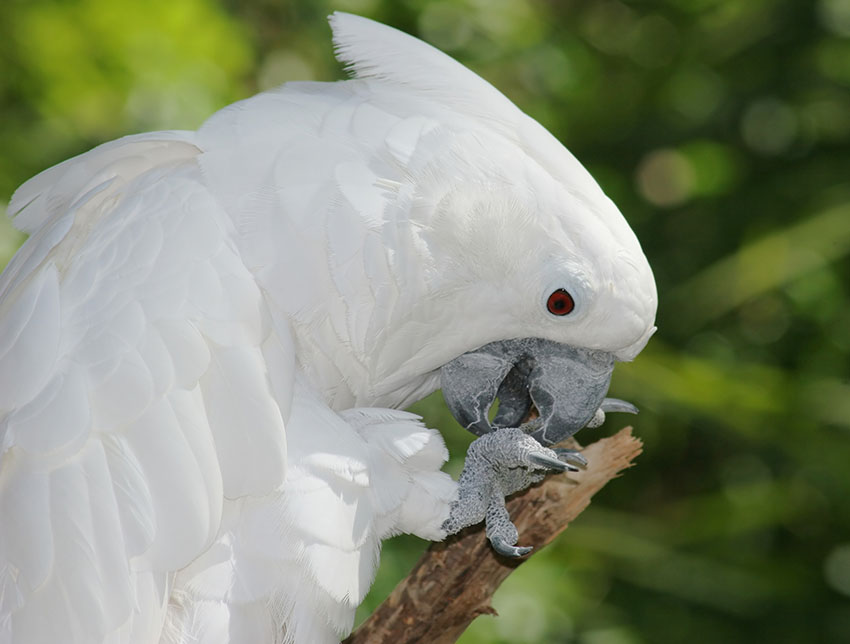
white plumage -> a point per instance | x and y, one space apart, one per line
202 341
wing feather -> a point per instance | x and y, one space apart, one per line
236 394
51 193
60 416
31 339
127 324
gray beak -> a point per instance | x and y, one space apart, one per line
565 383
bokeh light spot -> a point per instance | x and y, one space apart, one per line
446 25
665 178
764 320
836 569
281 66
835 16
695 93
769 126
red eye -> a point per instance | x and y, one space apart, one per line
560 302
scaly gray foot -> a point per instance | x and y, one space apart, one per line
498 464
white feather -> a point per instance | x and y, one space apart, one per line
56 418
30 338
51 193
110 473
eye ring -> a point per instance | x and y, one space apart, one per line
560 302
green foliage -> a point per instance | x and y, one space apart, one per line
721 130
79 73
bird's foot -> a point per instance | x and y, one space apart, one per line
498 464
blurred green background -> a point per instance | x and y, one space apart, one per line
721 129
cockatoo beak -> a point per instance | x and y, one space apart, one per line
566 384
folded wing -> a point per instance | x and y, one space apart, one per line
134 395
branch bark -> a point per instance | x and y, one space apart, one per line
454 581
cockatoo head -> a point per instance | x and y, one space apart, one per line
532 282
544 283
522 253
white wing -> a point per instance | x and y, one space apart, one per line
133 391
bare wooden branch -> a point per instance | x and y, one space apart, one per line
454 581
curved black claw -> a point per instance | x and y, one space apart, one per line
571 457
615 404
549 463
507 550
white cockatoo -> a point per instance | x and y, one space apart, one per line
208 336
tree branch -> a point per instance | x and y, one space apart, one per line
454 581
